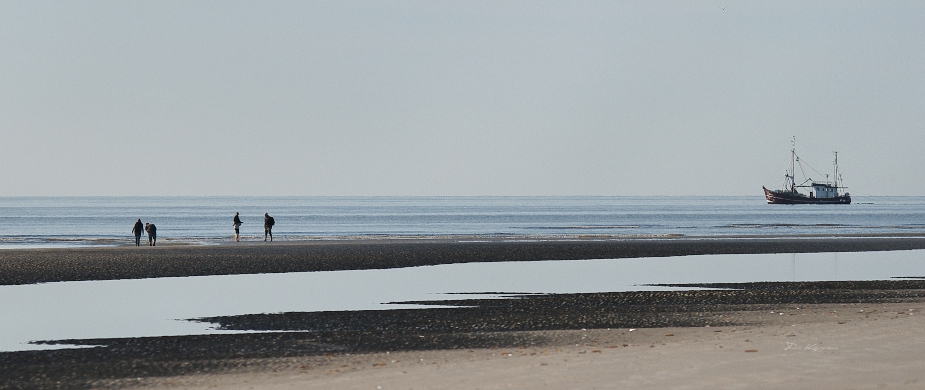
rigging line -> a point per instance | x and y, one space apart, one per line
814 169
800 163
809 166
783 167
774 180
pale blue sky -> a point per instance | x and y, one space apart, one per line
457 98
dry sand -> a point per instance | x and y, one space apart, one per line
841 346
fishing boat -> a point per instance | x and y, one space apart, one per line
819 192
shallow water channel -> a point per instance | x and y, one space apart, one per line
163 306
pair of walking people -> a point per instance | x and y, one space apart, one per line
268 223
148 228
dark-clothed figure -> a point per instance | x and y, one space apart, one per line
268 223
137 230
237 228
152 233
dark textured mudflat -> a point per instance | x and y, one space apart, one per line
484 324
635 309
52 265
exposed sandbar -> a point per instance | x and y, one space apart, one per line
28 266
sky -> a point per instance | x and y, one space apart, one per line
612 98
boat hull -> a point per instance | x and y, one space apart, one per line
786 197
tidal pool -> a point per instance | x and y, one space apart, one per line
163 306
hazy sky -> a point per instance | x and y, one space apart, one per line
457 98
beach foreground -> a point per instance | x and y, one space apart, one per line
829 334
842 346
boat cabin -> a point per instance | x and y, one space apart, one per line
823 190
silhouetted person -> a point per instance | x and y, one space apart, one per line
268 223
152 233
137 230
237 228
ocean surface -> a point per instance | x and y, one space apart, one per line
46 222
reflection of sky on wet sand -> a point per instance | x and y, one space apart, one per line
156 307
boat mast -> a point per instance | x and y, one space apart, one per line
793 154
837 174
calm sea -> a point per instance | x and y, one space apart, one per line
83 221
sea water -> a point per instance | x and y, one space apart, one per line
82 221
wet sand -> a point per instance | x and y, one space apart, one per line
567 340
130 262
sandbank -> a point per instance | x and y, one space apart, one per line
27 266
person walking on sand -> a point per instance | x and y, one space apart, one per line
137 230
268 223
237 228
152 234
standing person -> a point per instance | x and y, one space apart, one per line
237 227
137 232
268 223
152 234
